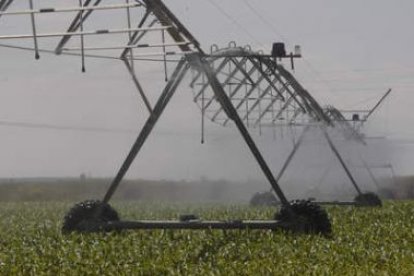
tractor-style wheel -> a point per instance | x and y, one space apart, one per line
264 199
368 200
308 217
88 216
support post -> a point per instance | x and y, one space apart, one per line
129 25
82 38
292 153
137 84
162 102
32 17
233 115
338 156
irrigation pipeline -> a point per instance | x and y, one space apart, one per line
52 52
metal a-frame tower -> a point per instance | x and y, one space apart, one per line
264 93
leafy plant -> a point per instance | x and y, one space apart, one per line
365 241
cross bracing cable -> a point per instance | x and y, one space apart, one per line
263 19
317 75
235 22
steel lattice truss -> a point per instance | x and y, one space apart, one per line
137 30
263 92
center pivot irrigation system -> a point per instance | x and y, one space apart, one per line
233 85
350 129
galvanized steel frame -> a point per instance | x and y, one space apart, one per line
290 94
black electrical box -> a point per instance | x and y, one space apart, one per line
355 117
278 49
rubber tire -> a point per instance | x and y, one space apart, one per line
368 199
309 218
81 217
264 199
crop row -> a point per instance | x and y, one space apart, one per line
365 241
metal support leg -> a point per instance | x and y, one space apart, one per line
371 174
82 38
162 102
4 4
292 153
32 17
231 112
138 85
336 152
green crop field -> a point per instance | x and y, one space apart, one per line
366 241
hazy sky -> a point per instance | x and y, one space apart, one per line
353 52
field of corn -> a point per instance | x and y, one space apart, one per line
366 241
